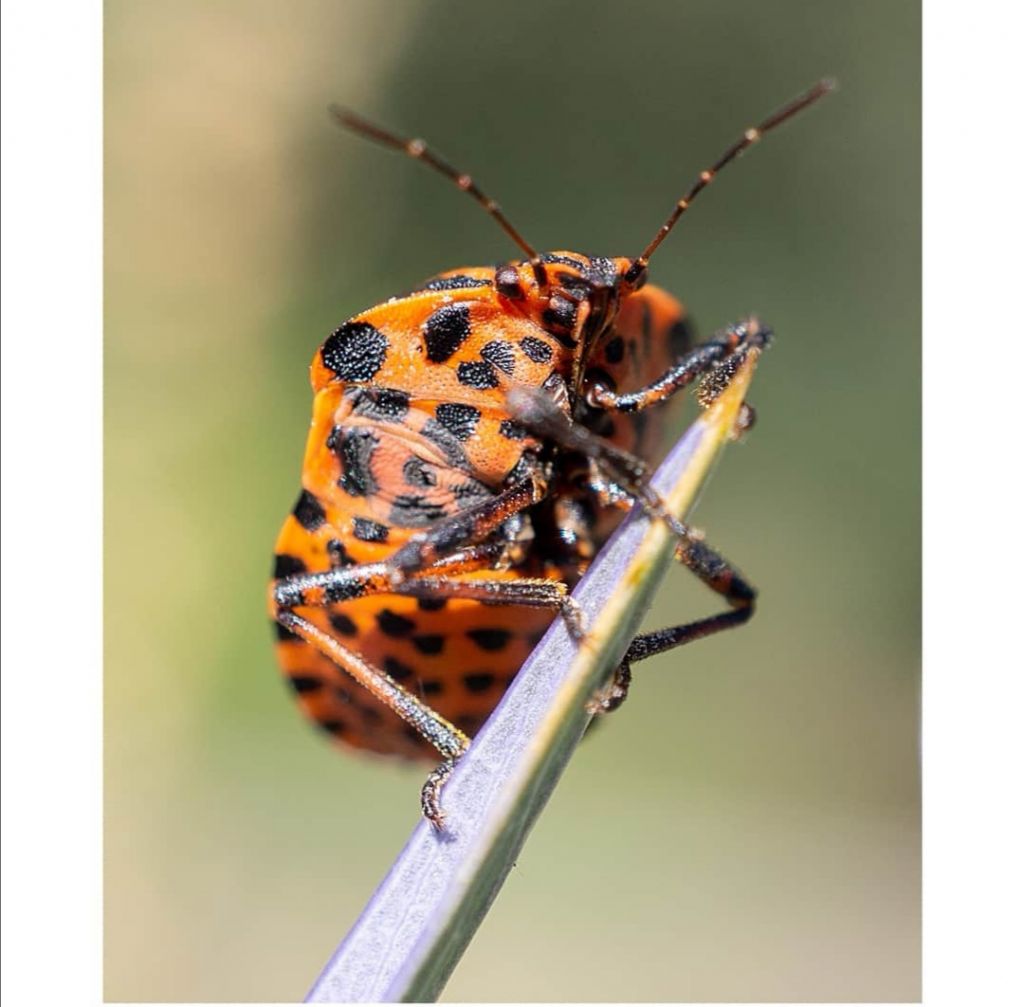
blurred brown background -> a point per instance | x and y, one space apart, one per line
747 826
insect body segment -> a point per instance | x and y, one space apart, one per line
473 444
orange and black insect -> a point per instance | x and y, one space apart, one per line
473 443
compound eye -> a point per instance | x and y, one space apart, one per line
506 282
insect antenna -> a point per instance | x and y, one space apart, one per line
421 152
749 138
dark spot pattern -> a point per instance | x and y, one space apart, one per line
369 531
431 687
458 419
393 624
410 510
355 352
335 727
429 643
477 374
306 683
419 473
500 354
286 565
308 512
511 430
354 447
285 635
343 624
537 350
615 350
564 260
479 681
491 639
397 670
389 405
431 604
457 282
445 331
448 443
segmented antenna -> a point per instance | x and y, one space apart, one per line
418 150
749 138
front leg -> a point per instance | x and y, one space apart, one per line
701 361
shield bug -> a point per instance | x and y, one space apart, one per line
473 443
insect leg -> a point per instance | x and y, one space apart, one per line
463 532
440 581
630 477
449 741
723 349
468 527
650 644
328 587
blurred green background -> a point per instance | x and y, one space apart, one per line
747 827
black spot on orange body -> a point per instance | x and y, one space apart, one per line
500 354
394 625
287 566
370 531
306 683
342 624
308 511
445 331
355 448
478 374
457 282
398 671
355 352
490 638
536 349
387 404
429 643
512 430
411 510
458 419
615 350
